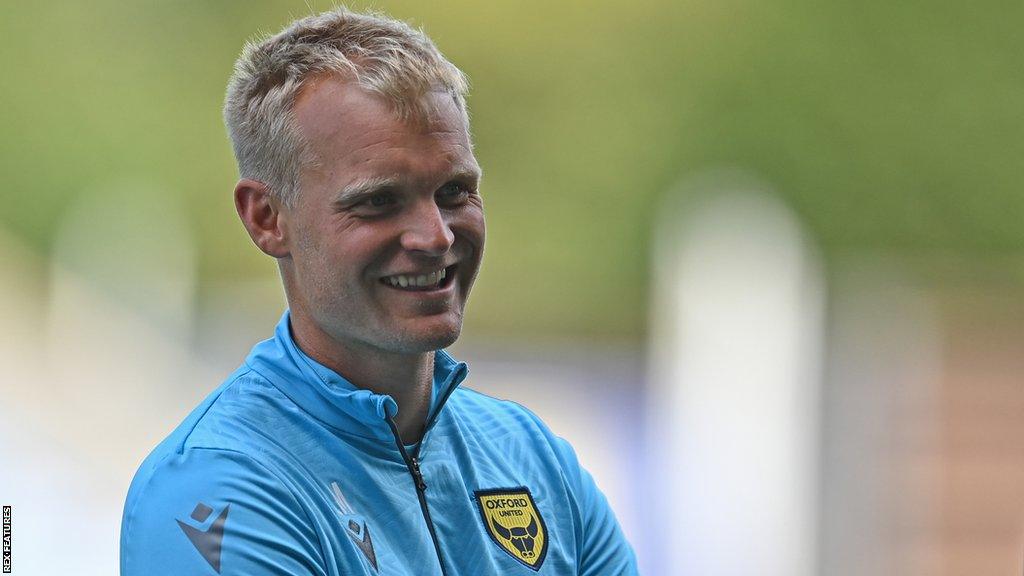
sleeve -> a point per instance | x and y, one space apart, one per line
604 550
211 511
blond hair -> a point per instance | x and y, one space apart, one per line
381 55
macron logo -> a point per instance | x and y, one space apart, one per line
208 541
357 531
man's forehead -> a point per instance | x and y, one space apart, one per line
356 141
331 106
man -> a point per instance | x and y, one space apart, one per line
344 444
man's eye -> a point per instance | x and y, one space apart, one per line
453 193
379 200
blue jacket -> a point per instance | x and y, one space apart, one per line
287 468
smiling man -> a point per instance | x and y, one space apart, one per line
345 444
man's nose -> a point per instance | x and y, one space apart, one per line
428 231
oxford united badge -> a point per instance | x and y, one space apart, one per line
514 523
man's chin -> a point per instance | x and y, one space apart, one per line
427 336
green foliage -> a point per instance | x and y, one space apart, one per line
888 126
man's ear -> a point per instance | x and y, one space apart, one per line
262 217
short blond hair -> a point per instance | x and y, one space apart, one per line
382 55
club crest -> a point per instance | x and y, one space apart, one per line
512 520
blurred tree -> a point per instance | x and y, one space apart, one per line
889 126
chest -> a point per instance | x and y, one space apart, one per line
486 505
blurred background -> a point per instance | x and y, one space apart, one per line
761 262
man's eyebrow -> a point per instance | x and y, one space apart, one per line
364 186
474 172
468 173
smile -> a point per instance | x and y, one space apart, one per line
433 280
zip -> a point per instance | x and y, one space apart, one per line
417 475
413 464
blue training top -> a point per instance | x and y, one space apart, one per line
287 468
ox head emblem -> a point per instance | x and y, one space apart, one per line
523 539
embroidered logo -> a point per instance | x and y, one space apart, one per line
355 526
512 520
207 542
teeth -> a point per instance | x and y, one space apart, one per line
420 281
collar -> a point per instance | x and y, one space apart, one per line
332 399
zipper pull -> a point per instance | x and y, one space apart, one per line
417 475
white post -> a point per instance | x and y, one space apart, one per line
736 338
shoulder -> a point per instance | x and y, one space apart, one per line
178 512
222 436
210 468
224 419
479 410
505 421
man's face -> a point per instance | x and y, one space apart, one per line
387 230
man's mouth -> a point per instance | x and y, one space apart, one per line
433 280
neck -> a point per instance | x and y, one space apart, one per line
407 378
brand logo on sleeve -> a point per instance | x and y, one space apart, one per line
207 540
512 520
355 526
